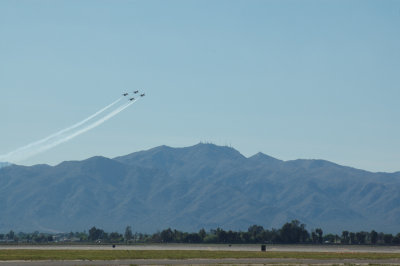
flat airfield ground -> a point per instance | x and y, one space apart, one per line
216 247
390 254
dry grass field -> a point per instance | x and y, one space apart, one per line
35 254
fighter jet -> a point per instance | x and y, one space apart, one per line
131 99
141 95
135 92
125 94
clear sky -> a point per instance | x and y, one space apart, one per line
292 79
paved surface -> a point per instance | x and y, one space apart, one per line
206 262
255 261
294 248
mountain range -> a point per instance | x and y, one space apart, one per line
202 186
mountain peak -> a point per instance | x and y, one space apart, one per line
169 157
312 163
214 151
98 162
262 159
212 146
262 156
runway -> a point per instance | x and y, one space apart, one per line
205 262
216 247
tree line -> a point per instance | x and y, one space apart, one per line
292 232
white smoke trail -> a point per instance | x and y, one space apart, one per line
58 138
58 141
57 134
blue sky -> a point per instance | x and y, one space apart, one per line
292 79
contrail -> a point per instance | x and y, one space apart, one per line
36 143
54 139
83 130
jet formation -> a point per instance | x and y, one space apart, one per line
134 92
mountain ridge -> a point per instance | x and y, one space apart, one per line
189 188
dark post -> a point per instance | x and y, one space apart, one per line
263 248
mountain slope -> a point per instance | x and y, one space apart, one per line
4 164
200 186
